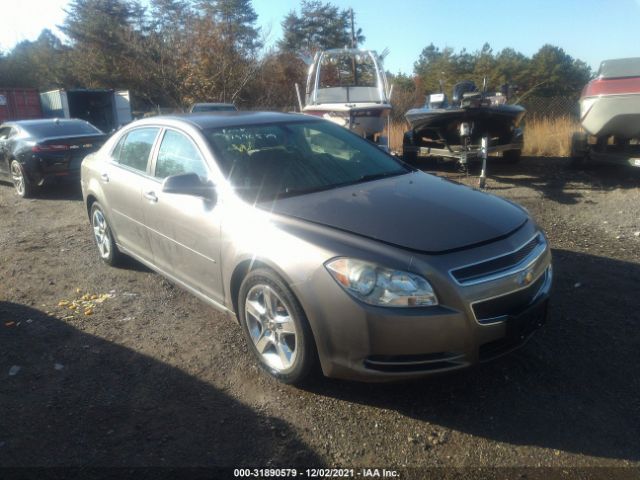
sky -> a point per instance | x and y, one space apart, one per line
591 30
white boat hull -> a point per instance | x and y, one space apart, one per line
364 119
606 115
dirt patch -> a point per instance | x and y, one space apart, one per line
152 376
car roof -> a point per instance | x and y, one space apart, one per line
230 119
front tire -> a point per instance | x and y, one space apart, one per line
275 326
103 236
21 183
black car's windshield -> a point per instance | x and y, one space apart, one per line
264 162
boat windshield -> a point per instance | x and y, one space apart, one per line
347 76
266 162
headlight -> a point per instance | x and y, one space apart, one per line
381 286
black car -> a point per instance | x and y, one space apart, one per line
36 152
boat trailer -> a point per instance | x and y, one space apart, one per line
463 154
586 148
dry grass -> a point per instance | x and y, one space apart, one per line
543 137
395 131
549 137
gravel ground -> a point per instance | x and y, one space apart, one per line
155 377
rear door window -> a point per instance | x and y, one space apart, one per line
178 155
135 149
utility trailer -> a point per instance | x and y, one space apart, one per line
106 109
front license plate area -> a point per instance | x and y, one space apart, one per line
519 327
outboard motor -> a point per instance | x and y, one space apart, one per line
460 88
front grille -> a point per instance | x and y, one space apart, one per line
510 304
414 363
496 265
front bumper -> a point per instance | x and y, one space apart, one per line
357 341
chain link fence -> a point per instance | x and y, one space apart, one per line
539 108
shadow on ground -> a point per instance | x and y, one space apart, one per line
108 405
552 177
573 387
55 191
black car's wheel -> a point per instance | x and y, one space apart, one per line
103 235
20 181
275 326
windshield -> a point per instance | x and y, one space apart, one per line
265 162
348 70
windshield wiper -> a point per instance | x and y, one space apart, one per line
292 192
377 176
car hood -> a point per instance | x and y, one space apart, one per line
416 211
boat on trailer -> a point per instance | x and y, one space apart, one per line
610 115
349 87
459 128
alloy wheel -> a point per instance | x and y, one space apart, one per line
18 178
271 327
101 232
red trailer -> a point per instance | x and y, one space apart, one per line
19 104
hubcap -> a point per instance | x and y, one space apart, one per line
271 327
101 232
17 178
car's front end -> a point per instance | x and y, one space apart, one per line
410 275
486 301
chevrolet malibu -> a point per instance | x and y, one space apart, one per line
327 250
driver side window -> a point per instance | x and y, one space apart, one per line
178 155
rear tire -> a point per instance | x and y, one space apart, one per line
409 155
103 236
276 327
512 156
21 183
579 148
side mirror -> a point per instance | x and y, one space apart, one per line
189 184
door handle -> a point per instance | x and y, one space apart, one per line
151 196
104 177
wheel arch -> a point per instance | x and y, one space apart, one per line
243 268
91 199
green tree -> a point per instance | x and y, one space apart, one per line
101 34
237 22
42 63
553 72
319 26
